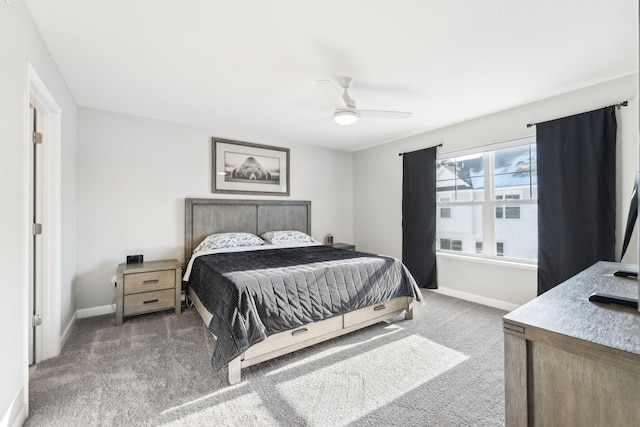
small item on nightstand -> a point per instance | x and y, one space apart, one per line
135 259
328 240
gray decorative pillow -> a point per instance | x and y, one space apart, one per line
287 236
228 240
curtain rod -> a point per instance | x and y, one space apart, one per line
618 106
439 145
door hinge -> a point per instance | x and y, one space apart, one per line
36 229
36 320
37 138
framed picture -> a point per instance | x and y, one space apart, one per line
246 168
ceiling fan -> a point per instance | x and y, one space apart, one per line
346 112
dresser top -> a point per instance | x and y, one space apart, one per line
566 309
148 266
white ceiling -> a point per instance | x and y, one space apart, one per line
247 69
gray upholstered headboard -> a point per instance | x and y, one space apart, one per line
206 216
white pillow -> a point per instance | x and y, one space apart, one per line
228 240
287 236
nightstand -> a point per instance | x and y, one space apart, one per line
347 246
147 287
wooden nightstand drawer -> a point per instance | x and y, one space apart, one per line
146 302
381 309
151 281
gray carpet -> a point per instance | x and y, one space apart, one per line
443 368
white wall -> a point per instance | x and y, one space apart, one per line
133 176
21 43
378 185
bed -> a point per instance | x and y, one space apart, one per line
265 301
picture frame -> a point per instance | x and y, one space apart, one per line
246 168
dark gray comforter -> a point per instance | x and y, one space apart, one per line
255 294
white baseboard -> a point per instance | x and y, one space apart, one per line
21 418
503 305
95 311
67 330
16 414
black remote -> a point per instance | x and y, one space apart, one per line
614 299
622 273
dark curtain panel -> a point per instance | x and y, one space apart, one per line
419 215
576 194
631 219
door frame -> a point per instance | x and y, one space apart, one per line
47 336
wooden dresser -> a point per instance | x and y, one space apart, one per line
147 287
571 362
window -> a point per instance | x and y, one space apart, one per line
451 245
489 197
445 212
445 244
504 211
512 212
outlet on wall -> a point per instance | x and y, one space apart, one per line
114 279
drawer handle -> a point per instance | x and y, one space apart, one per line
150 282
151 301
380 307
299 331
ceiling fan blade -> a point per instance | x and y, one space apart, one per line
333 93
380 114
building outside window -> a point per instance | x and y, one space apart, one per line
490 196
504 211
445 212
452 245
445 244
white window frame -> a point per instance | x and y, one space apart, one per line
490 202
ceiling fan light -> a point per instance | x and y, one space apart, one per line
345 117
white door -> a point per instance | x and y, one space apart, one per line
35 214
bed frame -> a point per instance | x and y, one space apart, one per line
207 216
